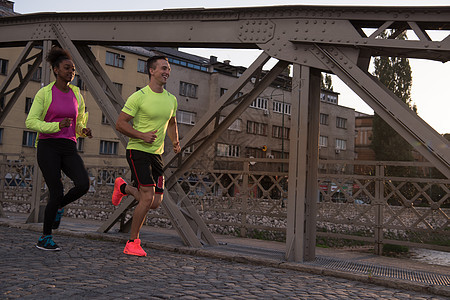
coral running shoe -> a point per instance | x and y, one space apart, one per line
134 248
117 194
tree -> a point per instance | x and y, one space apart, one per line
325 82
395 74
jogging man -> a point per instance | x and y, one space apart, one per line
153 111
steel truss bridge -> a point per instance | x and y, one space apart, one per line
311 38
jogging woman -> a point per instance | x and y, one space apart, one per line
58 115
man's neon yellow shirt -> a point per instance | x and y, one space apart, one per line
151 111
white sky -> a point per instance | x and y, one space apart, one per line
430 78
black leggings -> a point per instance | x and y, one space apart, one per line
54 156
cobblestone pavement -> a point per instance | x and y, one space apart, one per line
97 269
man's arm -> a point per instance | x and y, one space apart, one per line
123 126
172 132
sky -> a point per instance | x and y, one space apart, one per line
430 78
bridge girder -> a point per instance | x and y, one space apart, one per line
339 40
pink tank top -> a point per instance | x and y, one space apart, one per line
64 105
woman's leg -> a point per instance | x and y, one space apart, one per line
49 160
73 167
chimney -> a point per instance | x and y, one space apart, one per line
227 61
212 59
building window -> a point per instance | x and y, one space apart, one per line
278 107
28 102
183 63
261 103
185 117
255 152
104 119
332 99
227 150
341 123
341 144
77 81
142 66
277 132
115 59
235 126
107 147
323 119
3 66
80 144
323 141
188 89
37 75
29 138
323 97
256 128
224 90
1 136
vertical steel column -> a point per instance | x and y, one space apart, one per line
244 197
2 182
379 204
35 214
303 164
312 166
297 165
433 146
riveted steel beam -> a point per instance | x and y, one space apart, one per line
304 35
211 115
246 28
5 87
91 80
397 114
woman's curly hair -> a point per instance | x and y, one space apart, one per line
56 55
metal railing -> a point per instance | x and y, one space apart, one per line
403 203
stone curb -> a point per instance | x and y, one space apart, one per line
248 259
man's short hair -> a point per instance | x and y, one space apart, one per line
152 60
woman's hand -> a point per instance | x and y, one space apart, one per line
87 132
66 122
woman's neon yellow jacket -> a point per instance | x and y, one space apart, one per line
41 103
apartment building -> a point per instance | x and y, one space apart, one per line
261 131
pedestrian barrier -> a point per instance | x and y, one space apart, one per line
400 203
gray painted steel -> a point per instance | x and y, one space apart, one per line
319 38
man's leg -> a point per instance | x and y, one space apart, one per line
157 201
146 199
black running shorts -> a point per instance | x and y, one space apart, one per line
146 169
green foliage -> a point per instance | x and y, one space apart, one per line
394 250
395 74
326 82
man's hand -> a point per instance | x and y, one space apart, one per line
176 147
149 137
87 132
66 122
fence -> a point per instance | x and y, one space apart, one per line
371 202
